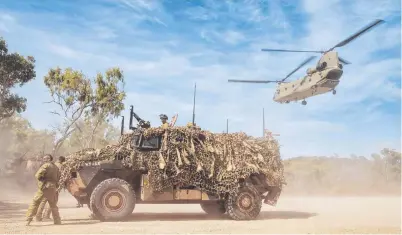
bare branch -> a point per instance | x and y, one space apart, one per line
98 121
54 112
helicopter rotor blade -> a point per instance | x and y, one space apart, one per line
356 35
301 65
343 61
251 81
282 50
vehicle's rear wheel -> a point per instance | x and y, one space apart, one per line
214 208
245 205
112 199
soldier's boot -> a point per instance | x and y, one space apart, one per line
56 216
39 213
28 222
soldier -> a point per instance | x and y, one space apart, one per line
164 119
44 203
190 125
48 177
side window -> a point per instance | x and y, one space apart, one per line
136 140
151 143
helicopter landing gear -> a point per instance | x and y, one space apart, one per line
334 92
304 102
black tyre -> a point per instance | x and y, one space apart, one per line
112 199
96 216
245 205
213 208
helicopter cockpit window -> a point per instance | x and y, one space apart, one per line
321 66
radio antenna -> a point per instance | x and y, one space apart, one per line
263 122
195 88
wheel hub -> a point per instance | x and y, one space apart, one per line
245 202
113 201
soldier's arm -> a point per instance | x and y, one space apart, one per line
40 174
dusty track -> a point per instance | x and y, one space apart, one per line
292 215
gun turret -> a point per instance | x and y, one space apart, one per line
141 123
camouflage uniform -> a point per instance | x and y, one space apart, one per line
48 177
44 205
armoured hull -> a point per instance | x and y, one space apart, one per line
112 180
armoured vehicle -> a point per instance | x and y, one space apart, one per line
112 190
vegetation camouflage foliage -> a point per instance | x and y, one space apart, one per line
190 156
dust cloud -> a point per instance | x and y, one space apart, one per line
332 176
323 195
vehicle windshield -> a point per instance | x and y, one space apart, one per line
150 143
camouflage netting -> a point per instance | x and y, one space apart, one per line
191 156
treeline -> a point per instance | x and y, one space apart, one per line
18 139
84 107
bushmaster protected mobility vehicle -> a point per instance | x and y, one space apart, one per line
112 190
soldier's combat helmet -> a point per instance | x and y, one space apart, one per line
163 116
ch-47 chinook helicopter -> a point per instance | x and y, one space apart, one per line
321 79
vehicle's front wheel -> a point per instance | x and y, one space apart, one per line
112 199
213 208
245 205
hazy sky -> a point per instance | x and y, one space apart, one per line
164 47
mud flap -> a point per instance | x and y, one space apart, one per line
273 194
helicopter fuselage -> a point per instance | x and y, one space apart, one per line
324 78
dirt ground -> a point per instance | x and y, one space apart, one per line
292 215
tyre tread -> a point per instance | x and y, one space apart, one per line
231 211
111 181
